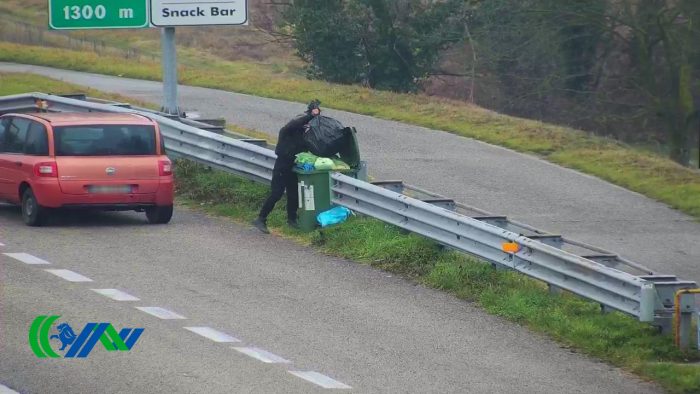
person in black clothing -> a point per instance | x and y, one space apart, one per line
289 143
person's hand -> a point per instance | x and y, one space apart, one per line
314 108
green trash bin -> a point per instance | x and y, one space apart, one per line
314 187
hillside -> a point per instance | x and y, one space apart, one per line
25 22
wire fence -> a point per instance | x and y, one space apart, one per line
27 34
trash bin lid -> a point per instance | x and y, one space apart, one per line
350 153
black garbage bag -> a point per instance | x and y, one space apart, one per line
326 136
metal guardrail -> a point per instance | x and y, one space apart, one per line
590 252
595 281
590 272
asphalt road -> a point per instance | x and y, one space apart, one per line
354 324
536 192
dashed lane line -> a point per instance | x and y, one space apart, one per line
27 258
160 313
69 275
320 379
116 295
261 355
214 335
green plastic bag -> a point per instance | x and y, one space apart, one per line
306 158
324 163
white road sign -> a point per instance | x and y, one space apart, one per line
199 12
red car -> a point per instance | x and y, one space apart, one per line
100 161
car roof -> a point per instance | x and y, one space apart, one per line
86 118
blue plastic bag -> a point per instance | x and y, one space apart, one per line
306 167
333 216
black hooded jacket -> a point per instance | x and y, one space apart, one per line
291 141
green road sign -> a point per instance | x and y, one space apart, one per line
98 14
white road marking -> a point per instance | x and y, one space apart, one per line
214 335
116 295
160 313
26 258
261 355
6 390
69 275
2 244
320 380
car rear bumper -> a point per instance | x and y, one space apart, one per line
48 193
109 207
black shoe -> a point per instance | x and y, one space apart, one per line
293 224
260 224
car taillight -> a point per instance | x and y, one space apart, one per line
165 167
46 170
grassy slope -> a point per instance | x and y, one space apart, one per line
636 170
229 42
14 83
571 321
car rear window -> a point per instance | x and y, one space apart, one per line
105 140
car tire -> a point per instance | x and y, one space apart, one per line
159 214
33 214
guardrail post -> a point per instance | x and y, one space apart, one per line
684 308
446 203
553 240
362 173
647 301
685 323
394 186
685 329
554 290
550 239
216 122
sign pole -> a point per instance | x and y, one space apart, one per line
169 71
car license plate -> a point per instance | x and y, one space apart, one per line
116 189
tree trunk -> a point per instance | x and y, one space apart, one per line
680 145
681 119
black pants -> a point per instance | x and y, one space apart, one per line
282 179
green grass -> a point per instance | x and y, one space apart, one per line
635 169
18 83
574 323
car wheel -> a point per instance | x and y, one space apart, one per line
32 213
159 214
